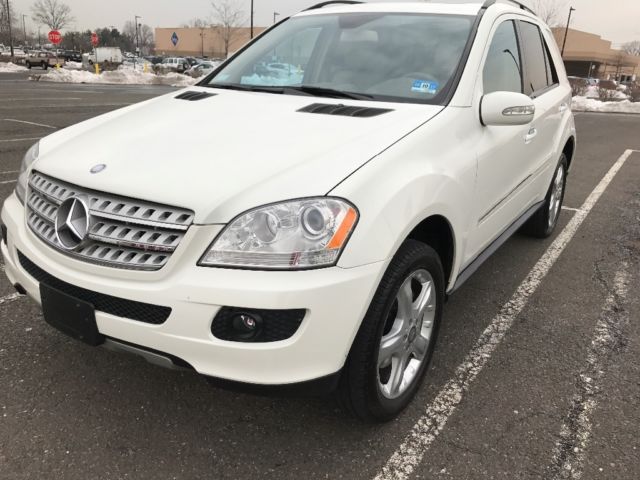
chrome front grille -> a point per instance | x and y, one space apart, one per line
123 232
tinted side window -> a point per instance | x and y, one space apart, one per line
534 58
552 73
503 67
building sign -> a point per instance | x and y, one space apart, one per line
175 39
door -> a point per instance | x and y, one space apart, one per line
505 153
541 83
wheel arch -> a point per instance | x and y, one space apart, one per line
437 232
569 150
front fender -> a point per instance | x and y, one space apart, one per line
432 171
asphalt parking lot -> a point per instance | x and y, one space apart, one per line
536 374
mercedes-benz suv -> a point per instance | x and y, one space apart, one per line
298 217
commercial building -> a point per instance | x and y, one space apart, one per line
197 42
589 55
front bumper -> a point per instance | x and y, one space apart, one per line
335 300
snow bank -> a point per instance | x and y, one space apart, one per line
11 68
584 104
73 65
118 77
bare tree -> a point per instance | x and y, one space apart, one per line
632 48
145 35
229 17
551 11
196 23
52 13
4 20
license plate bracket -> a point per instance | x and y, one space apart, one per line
70 315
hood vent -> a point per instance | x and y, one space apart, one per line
194 96
344 110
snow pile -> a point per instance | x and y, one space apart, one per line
584 104
119 77
73 65
11 68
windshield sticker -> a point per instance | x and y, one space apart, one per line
423 86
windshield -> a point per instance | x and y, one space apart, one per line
377 56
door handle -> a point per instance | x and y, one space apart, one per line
563 108
533 133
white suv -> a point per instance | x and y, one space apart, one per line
302 227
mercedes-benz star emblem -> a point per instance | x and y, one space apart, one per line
72 223
98 168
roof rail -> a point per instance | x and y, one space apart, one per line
332 2
520 4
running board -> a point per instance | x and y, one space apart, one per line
494 246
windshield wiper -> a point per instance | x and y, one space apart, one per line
330 92
245 88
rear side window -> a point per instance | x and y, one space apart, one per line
536 59
503 67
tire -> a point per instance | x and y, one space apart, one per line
28 65
544 221
45 66
366 388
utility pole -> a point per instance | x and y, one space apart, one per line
252 19
566 31
24 29
10 32
202 39
137 42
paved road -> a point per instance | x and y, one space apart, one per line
553 392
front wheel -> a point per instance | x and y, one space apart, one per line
393 348
45 66
544 221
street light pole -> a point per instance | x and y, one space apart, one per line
10 32
202 39
24 29
252 19
275 14
137 42
566 31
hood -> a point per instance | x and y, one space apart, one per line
225 154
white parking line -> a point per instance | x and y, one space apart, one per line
37 99
568 457
8 181
20 139
9 171
81 105
570 209
29 123
9 298
424 432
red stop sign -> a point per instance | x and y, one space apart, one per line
94 39
55 37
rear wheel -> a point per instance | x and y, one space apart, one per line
45 65
544 221
393 348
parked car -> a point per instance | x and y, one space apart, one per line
43 60
192 61
154 59
202 69
173 64
303 235
72 56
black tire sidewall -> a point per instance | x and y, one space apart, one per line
562 163
412 256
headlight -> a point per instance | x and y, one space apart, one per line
23 179
290 235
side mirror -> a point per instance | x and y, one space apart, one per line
506 108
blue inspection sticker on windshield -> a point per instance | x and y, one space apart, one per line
424 86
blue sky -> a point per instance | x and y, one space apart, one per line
616 20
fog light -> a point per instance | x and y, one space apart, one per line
246 326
